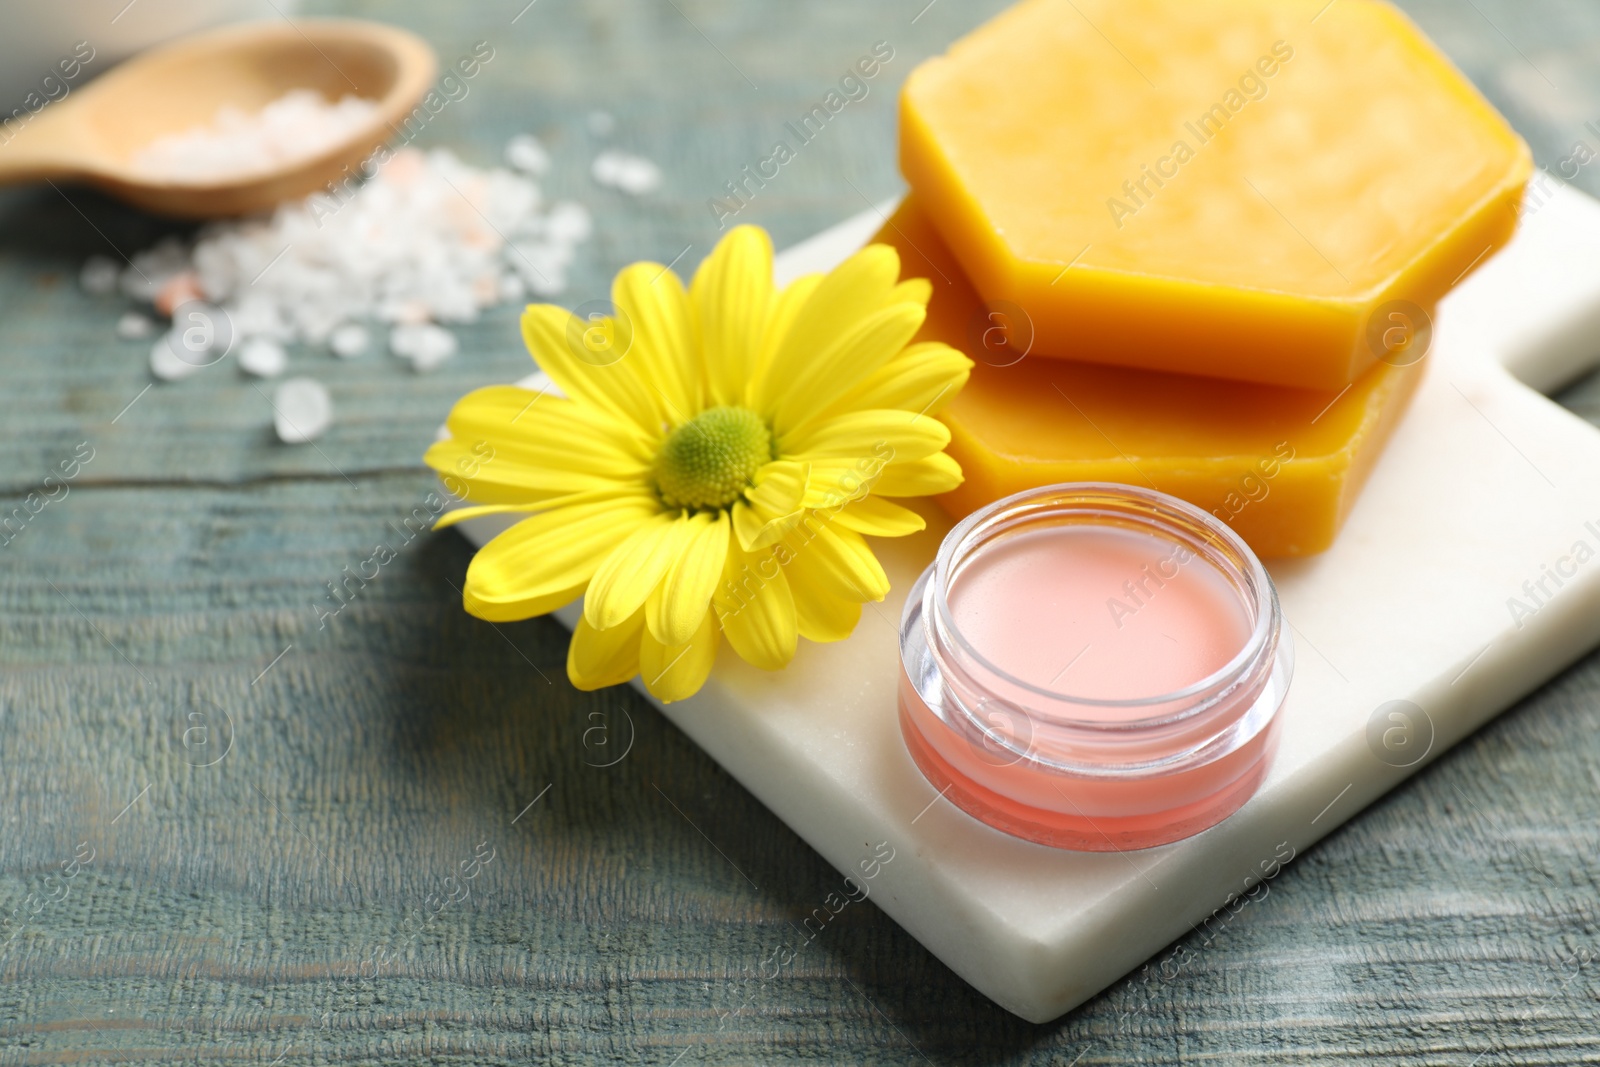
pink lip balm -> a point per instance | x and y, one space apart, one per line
1094 667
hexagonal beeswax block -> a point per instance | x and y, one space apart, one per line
1237 188
1282 466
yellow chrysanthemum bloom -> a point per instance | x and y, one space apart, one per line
716 457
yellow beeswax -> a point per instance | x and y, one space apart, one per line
1282 466
1244 189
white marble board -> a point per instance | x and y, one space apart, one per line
1485 486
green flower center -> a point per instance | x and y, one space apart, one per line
709 460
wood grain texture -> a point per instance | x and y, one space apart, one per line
288 902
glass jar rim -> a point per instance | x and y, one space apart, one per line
1264 631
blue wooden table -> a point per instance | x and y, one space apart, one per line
231 834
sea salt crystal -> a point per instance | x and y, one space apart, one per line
634 175
425 345
297 126
542 265
349 341
153 268
166 364
176 291
133 326
525 153
263 358
425 241
569 223
201 333
302 410
258 315
99 275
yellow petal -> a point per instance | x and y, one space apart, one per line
450 518
912 290
786 309
598 658
920 477
855 350
778 487
665 352
732 295
614 494
835 559
505 477
682 601
876 517
505 427
756 610
514 445
545 561
605 379
857 288
824 618
850 292
632 571
880 433
673 672
822 613
922 379
771 505
515 610
838 481
510 413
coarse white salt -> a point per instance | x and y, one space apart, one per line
99 275
634 175
569 223
426 239
166 364
525 153
133 326
302 410
263 358
199 336
424 344
297 126
349 340
512 288
152 269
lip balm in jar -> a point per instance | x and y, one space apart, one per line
1094 667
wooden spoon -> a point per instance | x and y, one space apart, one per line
94 134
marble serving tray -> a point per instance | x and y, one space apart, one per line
1468 574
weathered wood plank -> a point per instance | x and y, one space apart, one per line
236 912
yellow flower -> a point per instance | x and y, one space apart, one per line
716 457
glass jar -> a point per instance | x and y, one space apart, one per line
1161 720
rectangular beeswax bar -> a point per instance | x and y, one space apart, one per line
1246 189
1281 466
